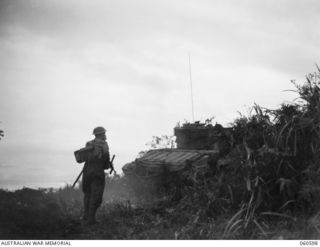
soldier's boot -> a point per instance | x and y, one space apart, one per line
92 216
92 220
85 216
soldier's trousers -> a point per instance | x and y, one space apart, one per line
93 187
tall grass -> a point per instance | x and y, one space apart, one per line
277 160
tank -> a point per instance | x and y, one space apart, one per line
198 147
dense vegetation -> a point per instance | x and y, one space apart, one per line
265 185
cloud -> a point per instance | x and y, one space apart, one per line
266 33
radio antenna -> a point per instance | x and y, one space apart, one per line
190 75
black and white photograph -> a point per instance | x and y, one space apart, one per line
159 120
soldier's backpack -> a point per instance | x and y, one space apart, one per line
83 154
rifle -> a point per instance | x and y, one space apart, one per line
75 182
111 165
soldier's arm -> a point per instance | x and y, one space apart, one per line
106 156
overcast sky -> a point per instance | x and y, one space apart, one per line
69 66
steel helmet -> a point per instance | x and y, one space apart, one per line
99 130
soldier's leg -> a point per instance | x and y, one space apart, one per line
86 200
97 188
86 188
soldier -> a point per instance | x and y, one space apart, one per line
93 180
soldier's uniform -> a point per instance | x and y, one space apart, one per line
93 180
